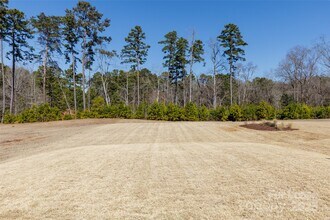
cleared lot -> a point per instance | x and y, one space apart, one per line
145 169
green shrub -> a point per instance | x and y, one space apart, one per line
141 111
174 113
249 112
203 113
68 117
87 114
305 111
123 111
321 112
157 111
235 113
265 111
296 111
9 119
219 114
191 112
41 113
98 104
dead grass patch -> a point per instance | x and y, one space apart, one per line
269 126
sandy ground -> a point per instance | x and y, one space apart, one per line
115 169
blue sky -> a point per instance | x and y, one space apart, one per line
270 28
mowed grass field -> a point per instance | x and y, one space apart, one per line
131 169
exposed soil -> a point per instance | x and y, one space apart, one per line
267 126
131 169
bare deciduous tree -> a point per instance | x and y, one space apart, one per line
298 68
217 64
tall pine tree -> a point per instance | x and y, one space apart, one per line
49 30
19 32
70 34
196 51
135 52
169 49
232 41
175 59
90 26
3 28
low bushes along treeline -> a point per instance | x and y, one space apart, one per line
172 112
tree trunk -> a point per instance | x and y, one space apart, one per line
167 87
44 75
74 85
191 65
157 99
83 71
107 101
12 93
3 82
127 88
183 92
138 85
231 85
214 88
64 95
176 91
34 89
89 90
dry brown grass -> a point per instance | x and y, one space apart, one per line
268 126
115 169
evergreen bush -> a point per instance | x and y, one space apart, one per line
265 111
191 112
174 113
203 113
235 113
219 114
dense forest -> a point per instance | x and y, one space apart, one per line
35 83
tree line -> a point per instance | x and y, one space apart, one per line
79 38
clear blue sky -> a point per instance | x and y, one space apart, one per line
270 28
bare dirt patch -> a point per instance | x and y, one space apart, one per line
267 126
104 169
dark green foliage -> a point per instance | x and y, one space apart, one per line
235 113
18 32
90 25
175 50
3 20
68 117
98 103
249 112
203 113
157 111
191 112
169 50
9 119
174 113
197 51
70 35
88 114
123 111
219 114
286 100
171 112
41 113
232 40
321 112
265 111
136 50
296 111
49 30
141 111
